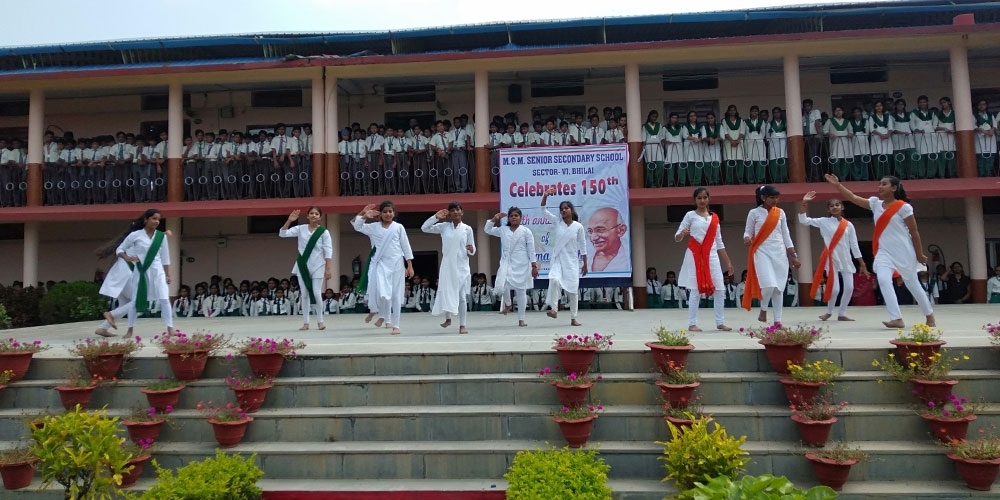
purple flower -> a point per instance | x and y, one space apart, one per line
959 408
565 409
599 407
138 338
947 413
572 376
168 409
931 404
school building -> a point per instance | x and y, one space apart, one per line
843 56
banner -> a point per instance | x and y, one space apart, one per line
595 180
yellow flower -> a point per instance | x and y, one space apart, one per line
913 354
913 365
965 357
920 343
892 355
875 362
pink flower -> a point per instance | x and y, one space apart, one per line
931 404
946 413
565 409
572 376
959 408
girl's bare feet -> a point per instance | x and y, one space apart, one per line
552 314
395 331
446 323
463 330
129 332
321 326
930 320
844 318
825 317
693 328
574 322
303 328
104 333
378 323
110 319
762 317
896 323
170 330
370 317
521 323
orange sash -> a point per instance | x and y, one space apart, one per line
701 253
882 223
752 290
826 263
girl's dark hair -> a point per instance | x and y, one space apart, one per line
900 192
572 209
765 191
108 249
314 207
453 205
701 189
386 204
512 210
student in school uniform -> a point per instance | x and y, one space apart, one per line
279 305
673 295
608 297
495 142
460 158
403 173
880 126
420 160
121 158
812 131
283 151
389 173
694 149
840 245
550 136
837 130
534 138
986 137
791 295
614 134
424 295
673 152
754 149
231 304
992 287
712 149
361 167
705 260
770 254
330 303
569 247
777 145
303 160
731 297
481 294
902 141
441 146
243 295
537 299
259 304
348 300
410 303
654 289
211 306
313 265
652 150
182 306
925 141
734 131
860 163
389 266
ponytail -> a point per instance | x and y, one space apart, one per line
108 249
900 192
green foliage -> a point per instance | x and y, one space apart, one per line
21 306
558 474
765 487
82 451
225 477
4 318
71 302
694 453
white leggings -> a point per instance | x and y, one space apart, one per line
776 297
884 274
166 311
555 291
317 284
463 307
848 279
390 309
124 304
522 301
694 298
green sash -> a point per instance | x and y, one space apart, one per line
363 280
858 126
903 118
303 263
981 119
925 117
884 122
693 130
653 130
840 128
141 300
732 125
754 125
712 131
674 131
778 127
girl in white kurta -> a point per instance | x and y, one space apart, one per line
771 256
116 285
570 245
837 130
318 264
518 263
897 249
840 255
652 149
457 244
777 145
712 143
880 126
860 146
696 225
694 148
734 130
392 262
150 274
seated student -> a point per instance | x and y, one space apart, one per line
293 294
481 294
330 303
280 306
182 307
152 310
232 305
606 297
731 289
584 302
791 291
425 295
244 296
410 303
258 303
820 290
930 288
536 299
272 286
673 295
198 302
348 299
564 301
211 306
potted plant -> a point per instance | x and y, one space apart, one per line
950 419
718 454
922 339
144 424
833 465
993 331
163 393
670 346
5 377
16 356
266 356
230 475
815 420
577 352
785 343
77 390
139 453
804 381
677 385
103 357
188 354
725 487
571 388
684 417
17 467
977 459
229 422
929 377
250 390
576 423
557 474
82 451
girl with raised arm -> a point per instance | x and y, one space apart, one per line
314 263
771 250
840 243
391 263
570 245
895 243
457 244
701 272
518 264
148 252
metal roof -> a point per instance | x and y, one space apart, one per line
495 36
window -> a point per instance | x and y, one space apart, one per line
863 101
702 107
402 119
266 224
153 128
846 76
288 98
673 82
546 112
556 87
14 108
160 102
395 94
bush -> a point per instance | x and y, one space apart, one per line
558 474
72 302
717 453
4 318
765 487
21 305
225 477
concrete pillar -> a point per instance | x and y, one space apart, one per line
793 119
483 257
638 231
803 246
319 134
965 149
30 264
175 142
36 153
332 168
633 107
333 226
975 227
482 155
174 241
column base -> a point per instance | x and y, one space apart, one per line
965 153
318 175
35 196
636 170
805 299
332 171
979 292
796 159
482 170
640 299
175 180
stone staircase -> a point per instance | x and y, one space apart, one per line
453 422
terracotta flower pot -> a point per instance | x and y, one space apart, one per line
265 364
663 355
143 429
187 365
829 472
678 395
229 434
814 432
679 422
947 429
162 399
18 475
129 478
17 362
924 350
72 396
576 360
105 366
576 431
251 398
799 392
778 355
978 474
933 390
572 396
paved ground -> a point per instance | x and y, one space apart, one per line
492 332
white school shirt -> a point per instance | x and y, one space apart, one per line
712 153
374 142
770 259
481 294
777 140
496 138
846 247
550 138
331 306
66 155
809 122
653 286
895 248
459 137
441 141
727 133
282 144
614 135
389 146
577 132
121 151
231 149
52 156
984 143
992 286
861 142
753 142
674 150
903 138
306 142
75 154
509 140
593 135
533 138
881 146
840 144
280 307
182 307
348 300
674 292
211 307
925 142
693 151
